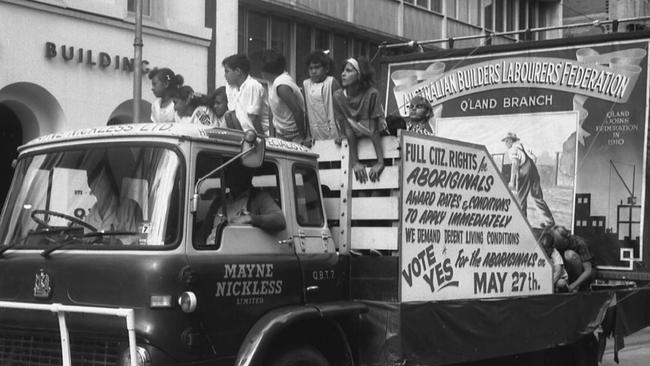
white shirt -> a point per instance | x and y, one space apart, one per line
162 114
283 119
202 115
250 98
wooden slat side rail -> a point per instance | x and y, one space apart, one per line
389 179
328 150
365 208
372 237
390 145
361 223
375 208
331 178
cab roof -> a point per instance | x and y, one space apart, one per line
171 130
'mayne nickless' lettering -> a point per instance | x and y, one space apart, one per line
249 280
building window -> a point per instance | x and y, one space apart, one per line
256 41
487 15
339 51
360 48
435 5
241 32
422 3
281 37
321 40
303 49
498 15
146 7
511 20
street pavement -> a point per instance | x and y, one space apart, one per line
635 353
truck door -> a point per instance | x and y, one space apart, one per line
323 274
240 272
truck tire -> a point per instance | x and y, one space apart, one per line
300 355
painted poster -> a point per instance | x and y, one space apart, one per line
463 235
572 121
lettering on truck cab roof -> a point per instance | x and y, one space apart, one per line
191 131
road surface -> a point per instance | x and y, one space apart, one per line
635 353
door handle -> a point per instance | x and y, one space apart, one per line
286 242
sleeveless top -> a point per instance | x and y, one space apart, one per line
283 119
320 109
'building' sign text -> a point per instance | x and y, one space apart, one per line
93 59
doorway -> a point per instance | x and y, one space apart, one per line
11 136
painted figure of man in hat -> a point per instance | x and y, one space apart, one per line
524 178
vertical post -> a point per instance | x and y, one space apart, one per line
400 19
65 341
137 67
345 204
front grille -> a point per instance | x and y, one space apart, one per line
44 349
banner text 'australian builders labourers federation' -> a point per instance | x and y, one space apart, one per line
463 235
580 113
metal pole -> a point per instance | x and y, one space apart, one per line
137 63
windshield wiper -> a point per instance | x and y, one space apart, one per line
51 230
109 233
46 253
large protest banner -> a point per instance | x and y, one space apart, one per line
463 235
579 111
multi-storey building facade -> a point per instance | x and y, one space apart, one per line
68 63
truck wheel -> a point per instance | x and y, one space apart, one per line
300 356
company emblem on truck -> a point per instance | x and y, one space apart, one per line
42 285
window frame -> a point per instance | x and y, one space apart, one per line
307 168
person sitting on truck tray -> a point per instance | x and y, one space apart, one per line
222 117
420 113
319 90
560 275
578 260
357 109
192 107
285 99
245 205
246 96
163 82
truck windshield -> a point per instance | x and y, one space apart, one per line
110 195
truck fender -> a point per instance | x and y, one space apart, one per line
263 332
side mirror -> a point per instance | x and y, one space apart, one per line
251 156
253 149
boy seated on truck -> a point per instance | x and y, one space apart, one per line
560 275
244 205
578 260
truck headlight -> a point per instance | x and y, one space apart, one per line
187 301
142 357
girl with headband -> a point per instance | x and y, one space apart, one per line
358 111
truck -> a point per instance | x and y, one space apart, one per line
105 258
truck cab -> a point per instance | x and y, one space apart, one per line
116 218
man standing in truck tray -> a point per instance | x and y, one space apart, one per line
524 178
244 205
